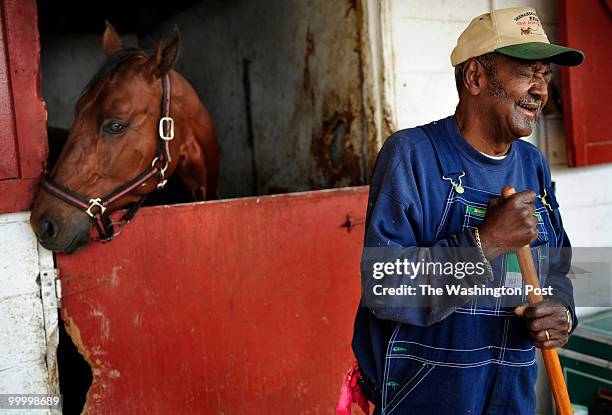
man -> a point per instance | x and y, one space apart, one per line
439 186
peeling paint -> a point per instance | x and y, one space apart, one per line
104 324
75 335
100 369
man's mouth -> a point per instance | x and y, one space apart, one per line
530 109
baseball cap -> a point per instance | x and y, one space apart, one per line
516 32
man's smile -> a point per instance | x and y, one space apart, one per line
530 109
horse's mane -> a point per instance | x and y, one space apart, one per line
109 66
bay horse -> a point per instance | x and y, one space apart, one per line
137 123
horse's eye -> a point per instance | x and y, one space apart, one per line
114 127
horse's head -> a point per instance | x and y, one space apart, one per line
113 139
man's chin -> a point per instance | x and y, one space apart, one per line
524 128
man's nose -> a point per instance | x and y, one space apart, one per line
539 89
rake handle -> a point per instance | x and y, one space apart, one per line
551 358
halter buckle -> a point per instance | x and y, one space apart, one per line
93 203
162 172
162 177
162 130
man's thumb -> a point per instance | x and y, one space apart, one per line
521 309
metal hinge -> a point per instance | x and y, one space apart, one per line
51 288
58 290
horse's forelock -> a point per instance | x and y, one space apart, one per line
110 66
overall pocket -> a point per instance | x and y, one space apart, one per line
468 347
398 391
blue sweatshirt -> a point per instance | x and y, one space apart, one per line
411 204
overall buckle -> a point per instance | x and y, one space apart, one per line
456 185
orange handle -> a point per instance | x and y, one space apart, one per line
551 358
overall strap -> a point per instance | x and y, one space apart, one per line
444 148
446 153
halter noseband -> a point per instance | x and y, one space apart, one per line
96 208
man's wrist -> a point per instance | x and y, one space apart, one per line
489 249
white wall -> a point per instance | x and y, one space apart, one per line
28 319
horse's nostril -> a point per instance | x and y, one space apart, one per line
47 230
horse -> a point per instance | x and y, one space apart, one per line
137 123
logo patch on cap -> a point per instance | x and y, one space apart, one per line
529 24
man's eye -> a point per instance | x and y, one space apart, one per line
114 127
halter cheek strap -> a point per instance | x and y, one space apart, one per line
96 208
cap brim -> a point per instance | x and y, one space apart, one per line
559 55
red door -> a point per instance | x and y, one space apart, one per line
23 136
243 306
587 96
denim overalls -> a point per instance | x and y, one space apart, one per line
480 359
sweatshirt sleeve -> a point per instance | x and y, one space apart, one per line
395 221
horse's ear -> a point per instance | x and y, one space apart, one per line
167 52
110 40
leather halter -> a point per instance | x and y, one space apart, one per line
96 207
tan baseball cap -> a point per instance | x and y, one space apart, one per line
516 32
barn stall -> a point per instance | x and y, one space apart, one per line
240 305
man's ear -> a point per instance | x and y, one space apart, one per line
473 77
111 41
167 52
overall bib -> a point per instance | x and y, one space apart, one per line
480 359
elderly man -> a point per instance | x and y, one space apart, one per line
439 186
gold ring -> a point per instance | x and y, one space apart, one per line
547 335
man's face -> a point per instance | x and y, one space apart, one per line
517 93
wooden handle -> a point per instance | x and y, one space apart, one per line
551 358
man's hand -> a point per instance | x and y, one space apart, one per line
549 315
508 224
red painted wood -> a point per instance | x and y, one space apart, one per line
8 156
238 307
23 134
30 117
587 99
17 195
